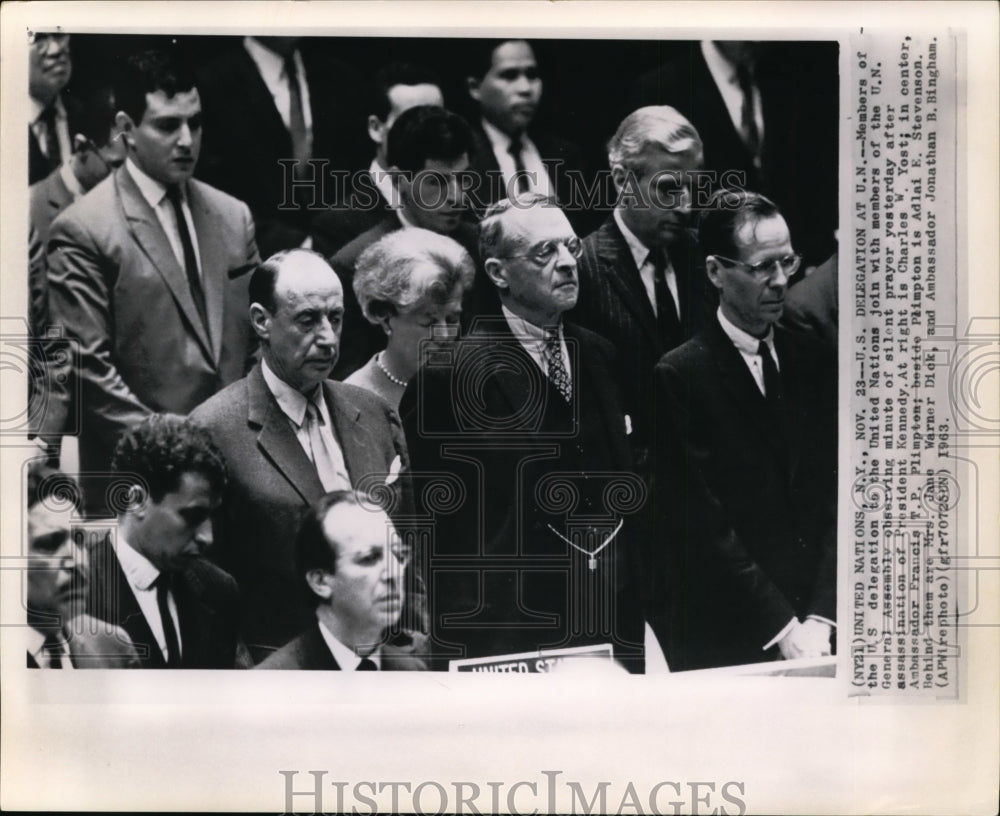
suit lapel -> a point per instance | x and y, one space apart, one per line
213 265
277 441
519 390
315 653
624 278
361 451
145 228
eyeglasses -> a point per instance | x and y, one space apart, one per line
42 41
542 253
765 270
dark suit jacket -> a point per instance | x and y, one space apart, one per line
499 580
46 199
748 500
207 608
271 485
39 165
362 208
562 159
309 652
361 339
244 137
118 290
614 304
96 644
798 89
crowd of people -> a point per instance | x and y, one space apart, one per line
431 391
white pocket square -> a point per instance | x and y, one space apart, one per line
394 468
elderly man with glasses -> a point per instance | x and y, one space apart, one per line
534 550
746 459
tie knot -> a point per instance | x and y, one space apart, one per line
163 581
763 349
290 70
367 664
175 194
313 413
516 146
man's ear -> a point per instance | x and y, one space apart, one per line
126 126
618 176
318 583
138 499
260 320
712 269
497 273
472 86
376 129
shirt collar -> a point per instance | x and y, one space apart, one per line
498 139
745 343
721 69
152 190
640 252
270 65
523 330
292 402
70 180
138 569
37 108
35 644
382 180
346 658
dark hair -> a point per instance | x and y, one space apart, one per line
427 132
393 74
479 54
265 276
161 448
313 550
726 213
95 115
149 72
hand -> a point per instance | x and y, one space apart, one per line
808 639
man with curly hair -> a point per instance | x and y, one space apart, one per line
149 574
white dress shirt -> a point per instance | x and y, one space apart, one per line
43 656
62 127
538 176
293 406
727 81
747 345
532 340
644 263
70 180
141 574
155 194
382 179
346 658
271 67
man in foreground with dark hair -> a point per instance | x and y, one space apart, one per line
150 576
144 272
352 563
747 459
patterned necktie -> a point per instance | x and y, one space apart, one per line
748 122
515 149
667 322
169 630
54 649
554 364
366 664
301 148
190 261
772 379
326 468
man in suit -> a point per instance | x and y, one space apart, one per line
145 273
397 87
49 70
428 151
747 459
280 116
768 118
149 575
640 282
351 562
510 155
526 415
61 635
289 435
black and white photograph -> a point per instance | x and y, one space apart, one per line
644 353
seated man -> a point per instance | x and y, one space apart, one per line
61 635
352 563
747 459
149 576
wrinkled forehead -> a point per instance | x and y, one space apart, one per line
655 161
47 522
526 227
307 278
353 528
755 236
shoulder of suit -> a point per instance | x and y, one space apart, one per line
225 406
590 341
214 197
690 353
94 211
206 579
353 396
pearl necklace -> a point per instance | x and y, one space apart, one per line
381 365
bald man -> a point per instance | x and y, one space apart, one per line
290 435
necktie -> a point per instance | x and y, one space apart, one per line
54 649
515 148
326 468
169 630
748 122
366 664
50 139
554 363
190 261
667 322
301 148
772 379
